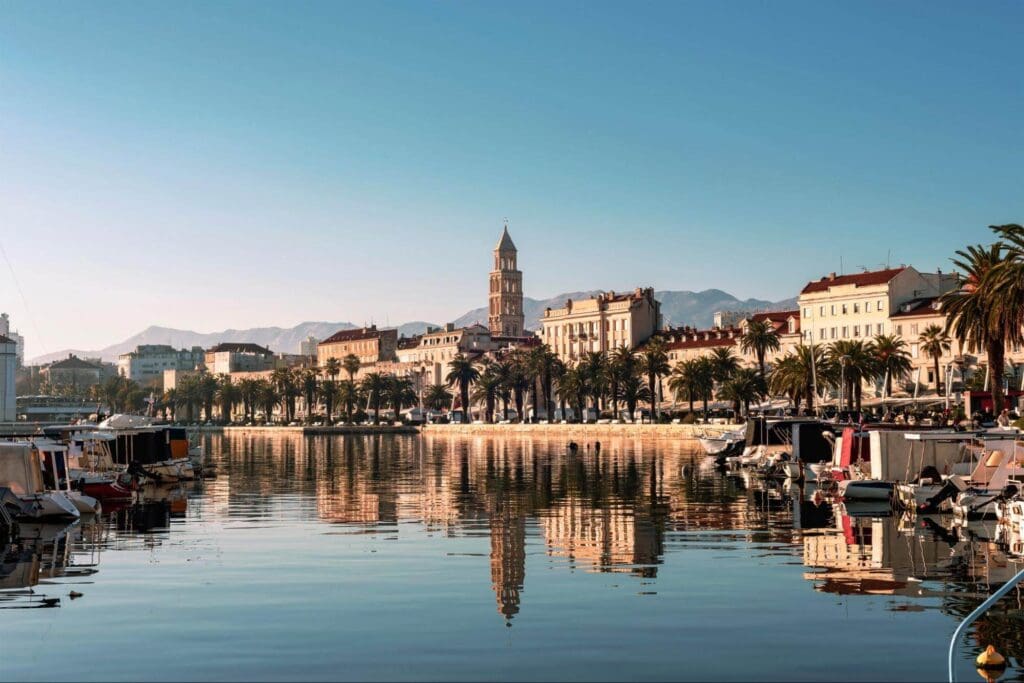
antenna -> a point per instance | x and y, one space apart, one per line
888 255
841 271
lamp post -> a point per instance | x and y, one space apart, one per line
843 360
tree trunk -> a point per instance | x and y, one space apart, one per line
996 363
938 380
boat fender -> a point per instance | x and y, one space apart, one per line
990 659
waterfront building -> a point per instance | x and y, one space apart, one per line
858 306
72 372
429 355
146 364
173 378
308 346
17 339
368 344
8 368
912 318
688 343
228 357
506 297
602 323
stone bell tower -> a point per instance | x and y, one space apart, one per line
505 317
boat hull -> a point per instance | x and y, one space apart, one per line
864 489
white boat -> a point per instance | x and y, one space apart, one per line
53 458
21 472
998 474
714 444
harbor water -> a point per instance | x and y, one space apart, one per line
437 557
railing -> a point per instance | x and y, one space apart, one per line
981 609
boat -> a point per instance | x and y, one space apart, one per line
155 451
53 458
21 474
723 443
91 466
998 475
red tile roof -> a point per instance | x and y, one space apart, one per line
352 335
876 277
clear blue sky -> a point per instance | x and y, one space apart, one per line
212 165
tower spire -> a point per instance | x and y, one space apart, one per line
505 316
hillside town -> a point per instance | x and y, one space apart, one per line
883 340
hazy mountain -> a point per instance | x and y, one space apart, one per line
677 307
278 339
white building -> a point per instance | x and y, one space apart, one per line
148 361
8 366
601 323
858 306
308 347
19 341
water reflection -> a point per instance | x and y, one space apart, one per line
633 509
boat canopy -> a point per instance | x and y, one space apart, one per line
122 421
19 469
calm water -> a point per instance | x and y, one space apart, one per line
435 558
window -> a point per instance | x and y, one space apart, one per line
913 351
833 309
899 330
879 328
881 304
821 333
807 313
844 309
856 330
931 377
913 329
833 331
846 331
867 306
856 308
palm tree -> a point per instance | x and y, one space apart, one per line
348 396
462 373
249 391
207 393
332 368
985 311
287 389
632 391
621 362
683 381
327 390
858 363
705 370
267 398
935 341
400 393
486 391
654 364
796 373
518 380
592 367
760 338
893 359
544 364
375 385
228 395
308 382
437 397
744 386
351 365
723 363
572 389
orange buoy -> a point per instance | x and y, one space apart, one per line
990 659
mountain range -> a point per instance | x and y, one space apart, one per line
677 308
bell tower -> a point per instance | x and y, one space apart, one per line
505 317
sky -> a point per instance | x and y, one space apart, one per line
237 164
